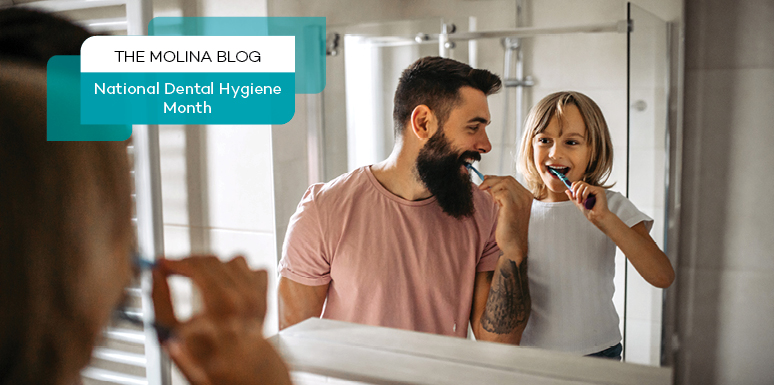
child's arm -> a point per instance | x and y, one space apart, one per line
635 242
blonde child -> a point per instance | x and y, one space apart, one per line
571 248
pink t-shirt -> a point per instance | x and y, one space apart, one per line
389 261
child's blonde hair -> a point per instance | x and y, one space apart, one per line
597 134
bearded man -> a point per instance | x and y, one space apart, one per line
410 242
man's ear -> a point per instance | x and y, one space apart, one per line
423 122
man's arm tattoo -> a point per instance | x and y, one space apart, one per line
508 305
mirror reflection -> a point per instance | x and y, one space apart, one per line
230 190
622 70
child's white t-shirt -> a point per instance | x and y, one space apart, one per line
571 269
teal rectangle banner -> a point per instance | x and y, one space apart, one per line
187 98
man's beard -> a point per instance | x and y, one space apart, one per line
438 167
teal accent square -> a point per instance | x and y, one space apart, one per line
63 106
310 34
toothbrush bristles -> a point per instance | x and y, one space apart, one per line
561 177
470 167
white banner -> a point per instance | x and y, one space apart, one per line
188 54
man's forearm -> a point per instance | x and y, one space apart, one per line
508 305
298 302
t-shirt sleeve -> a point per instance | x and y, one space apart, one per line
304 259
625 209
491 253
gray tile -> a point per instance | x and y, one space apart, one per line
750 219
729 34
746 338
727 148
724 324
697 325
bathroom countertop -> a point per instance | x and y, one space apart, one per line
334 350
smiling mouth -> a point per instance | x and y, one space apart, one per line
562 170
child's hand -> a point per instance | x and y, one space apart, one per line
582 191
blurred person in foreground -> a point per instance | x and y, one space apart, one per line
66 246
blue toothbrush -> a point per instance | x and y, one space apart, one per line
588 203
470 167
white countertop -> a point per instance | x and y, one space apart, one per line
378 355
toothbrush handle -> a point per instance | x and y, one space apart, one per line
589 202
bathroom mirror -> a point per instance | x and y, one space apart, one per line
614 52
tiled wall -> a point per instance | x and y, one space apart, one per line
217 189
726 280
217 184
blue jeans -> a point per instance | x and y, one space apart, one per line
613 352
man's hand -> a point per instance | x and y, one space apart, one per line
224 343
515 203
501 302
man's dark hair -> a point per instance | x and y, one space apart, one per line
435 82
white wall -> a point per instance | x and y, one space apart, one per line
217 184
726 272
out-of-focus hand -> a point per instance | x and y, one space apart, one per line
224 343
515 207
